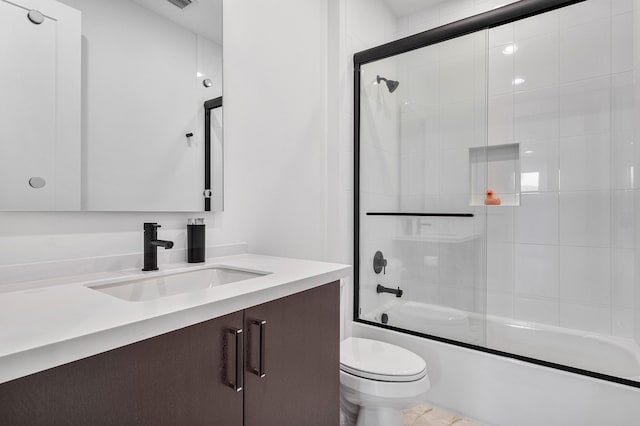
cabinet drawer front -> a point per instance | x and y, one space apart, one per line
172 379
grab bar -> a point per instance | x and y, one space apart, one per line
420 214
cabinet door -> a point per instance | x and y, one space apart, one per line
178 378
300 360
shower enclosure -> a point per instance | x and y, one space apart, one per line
496 202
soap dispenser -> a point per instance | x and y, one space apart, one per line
195 240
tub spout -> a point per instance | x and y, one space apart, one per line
381 289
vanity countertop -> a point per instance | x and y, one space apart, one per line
51 325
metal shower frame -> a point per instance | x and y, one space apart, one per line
503 15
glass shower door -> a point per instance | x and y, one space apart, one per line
422 152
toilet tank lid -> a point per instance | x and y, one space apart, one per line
380 360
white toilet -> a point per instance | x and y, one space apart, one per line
378 380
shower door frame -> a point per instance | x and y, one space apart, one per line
484 21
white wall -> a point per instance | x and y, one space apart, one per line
275 152
276 125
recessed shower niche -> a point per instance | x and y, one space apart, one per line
494 175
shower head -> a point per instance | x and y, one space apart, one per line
392 85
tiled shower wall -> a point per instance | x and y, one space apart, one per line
565 256
370 23
442 112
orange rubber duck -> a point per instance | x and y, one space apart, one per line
490 200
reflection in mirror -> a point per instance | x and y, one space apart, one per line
213 149
102 106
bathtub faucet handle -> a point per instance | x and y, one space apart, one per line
379 263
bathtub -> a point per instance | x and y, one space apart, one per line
604 354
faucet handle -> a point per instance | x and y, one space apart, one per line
151 226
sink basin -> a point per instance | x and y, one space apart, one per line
168 285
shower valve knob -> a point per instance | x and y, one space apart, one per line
379 263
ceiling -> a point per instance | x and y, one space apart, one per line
203 17
402 8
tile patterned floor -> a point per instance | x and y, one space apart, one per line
425 415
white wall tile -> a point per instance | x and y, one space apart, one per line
585 50
585 218
623 219
543 24
537 219
458 126
623 103
500 119
585 275
500 224
621 6
624 163
454 171
501 36
622 324
501 71
420 87
584 162
537 270
500 304
584 13
622 42
536 115
585 107
412 175
457 79
585 317
379 174
539 166
543 311
536 61
500 267
623 278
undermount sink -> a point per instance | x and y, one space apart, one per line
168 285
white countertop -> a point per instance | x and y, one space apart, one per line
51 325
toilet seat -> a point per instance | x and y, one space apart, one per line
380 361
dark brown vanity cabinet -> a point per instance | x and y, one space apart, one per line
288 349
300 360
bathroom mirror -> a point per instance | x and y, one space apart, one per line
104 105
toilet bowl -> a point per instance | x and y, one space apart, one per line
378 380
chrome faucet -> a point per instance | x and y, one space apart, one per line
151 244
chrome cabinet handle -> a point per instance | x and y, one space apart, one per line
239 379
260 371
